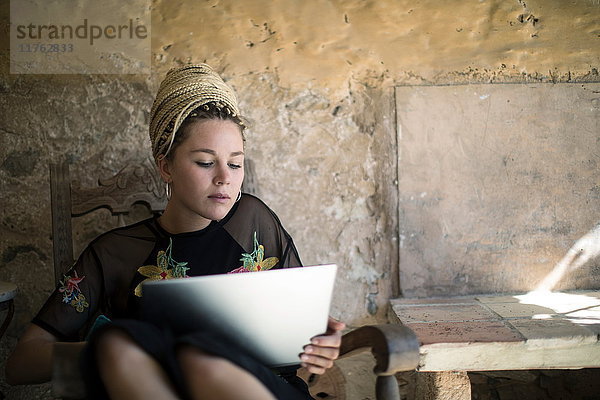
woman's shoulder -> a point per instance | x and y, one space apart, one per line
252 200
251 205
253 215
254 223
144 230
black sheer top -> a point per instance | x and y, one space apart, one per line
107 277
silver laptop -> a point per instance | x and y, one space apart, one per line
272 314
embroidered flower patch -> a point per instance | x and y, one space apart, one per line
165 268
254 261
71 293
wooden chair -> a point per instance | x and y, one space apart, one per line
133 184
395 347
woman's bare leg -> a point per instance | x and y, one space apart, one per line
128 372
211 377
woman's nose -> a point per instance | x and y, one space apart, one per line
223 175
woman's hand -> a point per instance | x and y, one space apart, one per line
319 355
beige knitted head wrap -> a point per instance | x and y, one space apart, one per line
183 90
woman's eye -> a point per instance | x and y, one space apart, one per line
204 164
234 166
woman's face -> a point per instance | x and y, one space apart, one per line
206 171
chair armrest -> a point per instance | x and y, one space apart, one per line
395 347
67 380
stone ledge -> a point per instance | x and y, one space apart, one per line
484 333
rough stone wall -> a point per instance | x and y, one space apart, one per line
497 181
316 78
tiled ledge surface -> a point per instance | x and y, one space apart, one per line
523 331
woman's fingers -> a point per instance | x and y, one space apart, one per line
316 364
330 353
332 340
319 355
317 359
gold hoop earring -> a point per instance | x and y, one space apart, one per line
168 190
239 196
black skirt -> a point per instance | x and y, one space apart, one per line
160 344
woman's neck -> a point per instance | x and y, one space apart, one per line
175 222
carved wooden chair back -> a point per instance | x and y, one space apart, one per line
135 183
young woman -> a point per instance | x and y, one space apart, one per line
208 227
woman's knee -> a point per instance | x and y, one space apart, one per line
199 365
116 347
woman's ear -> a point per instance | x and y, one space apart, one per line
164 168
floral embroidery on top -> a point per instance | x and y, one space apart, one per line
71 293
254 261
165 268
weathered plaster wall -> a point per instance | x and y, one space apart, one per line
496 182
321 44
317 80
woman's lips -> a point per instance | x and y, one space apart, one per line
219 197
